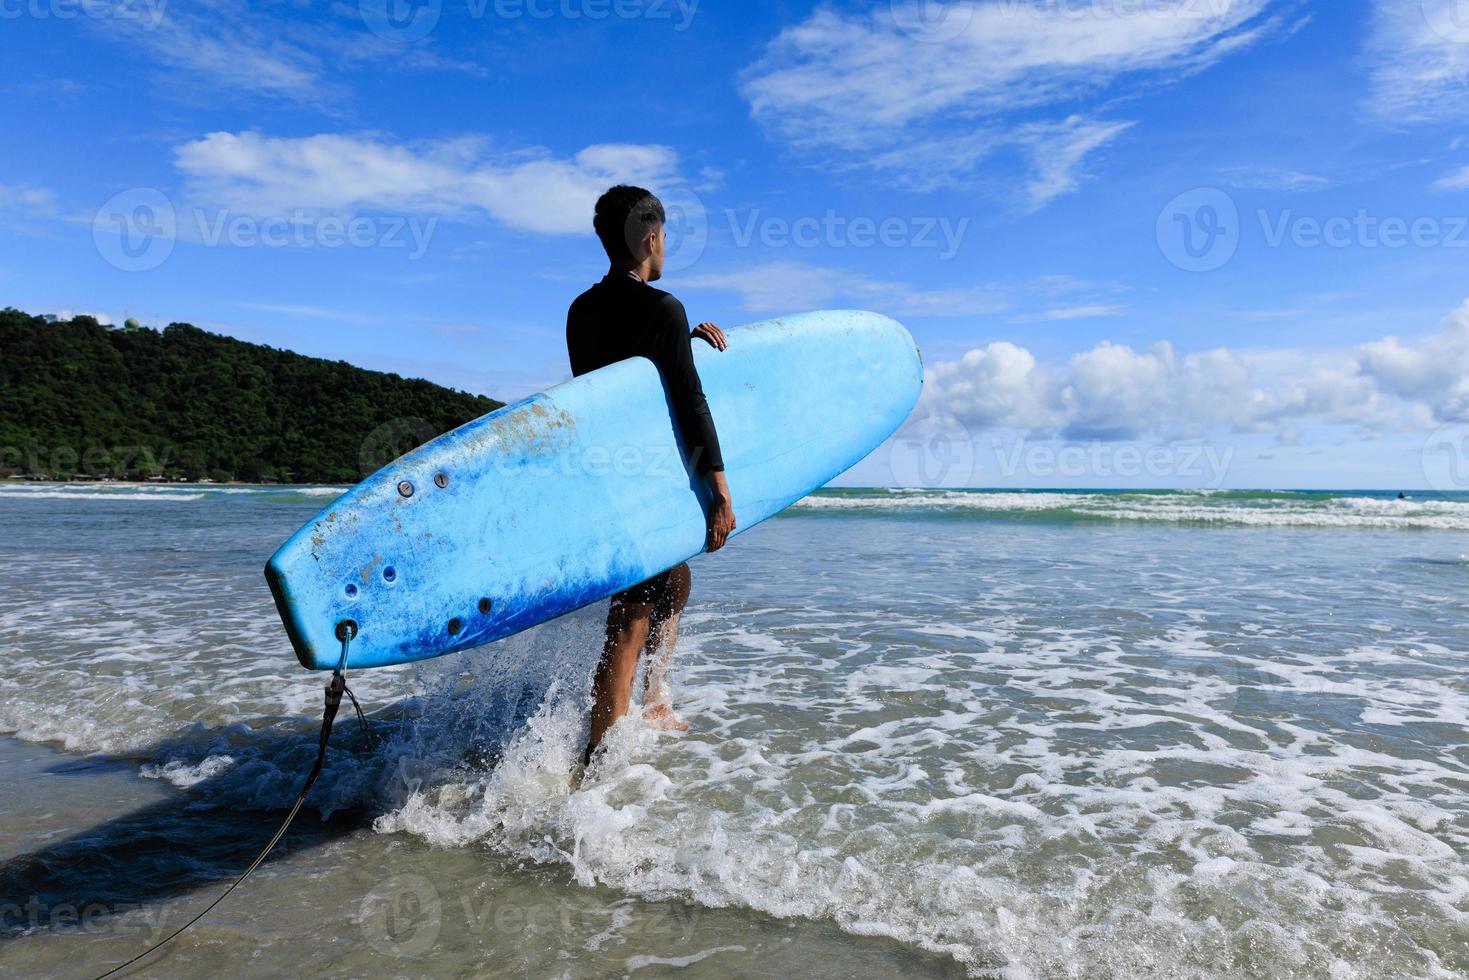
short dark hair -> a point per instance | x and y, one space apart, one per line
624 215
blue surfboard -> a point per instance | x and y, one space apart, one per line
575 493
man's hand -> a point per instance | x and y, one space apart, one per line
711 333
721 512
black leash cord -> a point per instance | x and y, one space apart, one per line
334 692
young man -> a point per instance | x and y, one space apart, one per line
621 317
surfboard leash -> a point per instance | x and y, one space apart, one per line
346 630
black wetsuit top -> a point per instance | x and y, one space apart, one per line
622 317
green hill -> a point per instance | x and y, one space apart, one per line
78 399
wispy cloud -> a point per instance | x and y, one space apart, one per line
1264 178
1063 313
1057 151
1458 180
309 312
930 91
783 287
465 179
1418 53
286 51
27 201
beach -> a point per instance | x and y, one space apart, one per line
943 733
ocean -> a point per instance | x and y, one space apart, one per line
938 733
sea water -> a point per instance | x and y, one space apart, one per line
1007 734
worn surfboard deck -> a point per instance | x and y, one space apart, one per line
575 493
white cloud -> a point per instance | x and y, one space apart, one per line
228 46
536 192
1000 386
783 287
286 51
27 201
1434 372
1115 392
1419 61
1087 312
882 89
1057 151
1456 181
1273 179
68 314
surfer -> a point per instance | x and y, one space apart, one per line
620 317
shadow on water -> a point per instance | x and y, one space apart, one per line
208 833
194 838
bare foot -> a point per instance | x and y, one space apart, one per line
661 717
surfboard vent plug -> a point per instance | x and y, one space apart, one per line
441 480
405 489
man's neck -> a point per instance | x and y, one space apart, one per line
641 272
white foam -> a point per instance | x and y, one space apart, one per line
1175 507
140 494
1162 761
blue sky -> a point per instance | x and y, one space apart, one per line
1115 227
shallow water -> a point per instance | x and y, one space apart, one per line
1003 734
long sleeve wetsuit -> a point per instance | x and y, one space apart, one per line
622 317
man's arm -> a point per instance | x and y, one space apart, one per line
696 423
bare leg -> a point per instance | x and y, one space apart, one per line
627 632
662 637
